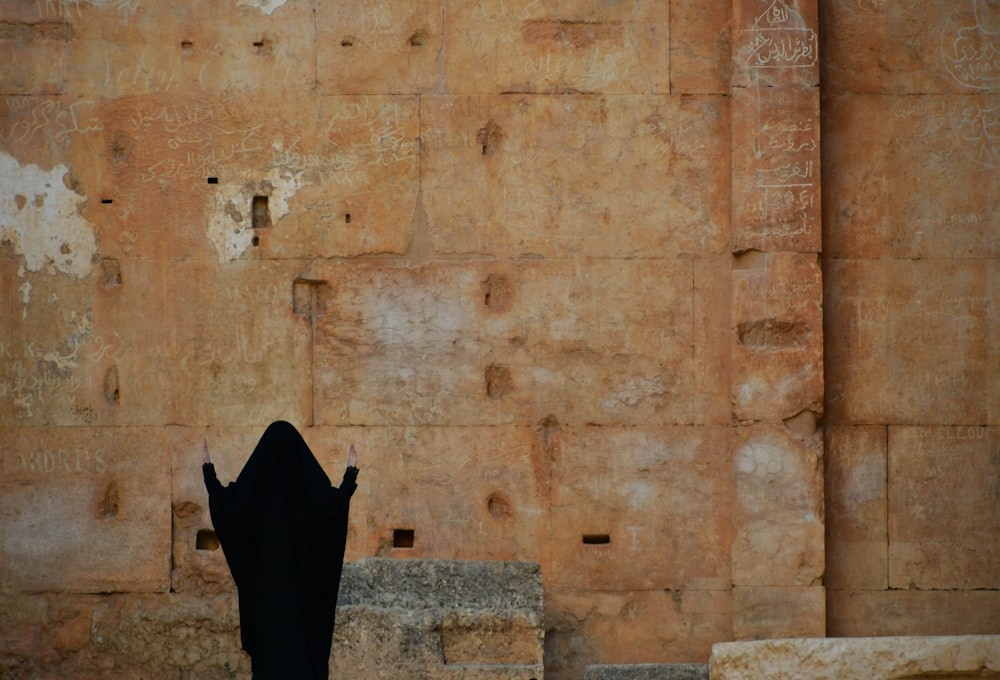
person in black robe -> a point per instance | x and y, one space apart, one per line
283 530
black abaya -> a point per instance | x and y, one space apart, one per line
283 529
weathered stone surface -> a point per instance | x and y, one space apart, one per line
700 46
910 353
776 169
860 613
567 46
777 336
872 46
665 671
878 148
84 510
857 490
428 617
115 635
778 507
464 493
131 353
577 176
588 628
775 43
943 507
516 342
439 619
604 485
875 658
391 46
777 612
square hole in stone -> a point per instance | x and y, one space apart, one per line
206 540
402 538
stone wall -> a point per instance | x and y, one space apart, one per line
912 271
554 267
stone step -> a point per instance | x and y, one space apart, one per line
647 671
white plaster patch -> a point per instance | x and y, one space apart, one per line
230 224
265 6
41 218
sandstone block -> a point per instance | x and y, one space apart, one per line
944 512
84 510
236 47
875 658
566 46
44 348
492 343
760 613
926 48
502 175
700 47
860 613
777 350
392 46
778 508
775 43
857 491
878 148
776 169
242 360
628 504
590 628
909 353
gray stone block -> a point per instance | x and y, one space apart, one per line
647 671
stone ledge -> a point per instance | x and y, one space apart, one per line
419 584
647 671
884 658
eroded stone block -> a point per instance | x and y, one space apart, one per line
861 613
776 169
778 336
944 513
909 352
611 176
778 507
775 43
391 46
879 148
587 628
761 613
84 510
700 46
653 671
122 49
876 658
565 46
511 342
856 496
920 48
630 506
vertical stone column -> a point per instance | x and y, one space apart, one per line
777 326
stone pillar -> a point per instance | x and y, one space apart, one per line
777 323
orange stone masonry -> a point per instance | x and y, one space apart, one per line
582 280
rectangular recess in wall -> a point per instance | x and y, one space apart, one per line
402 538
206 540
596 539
260 212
